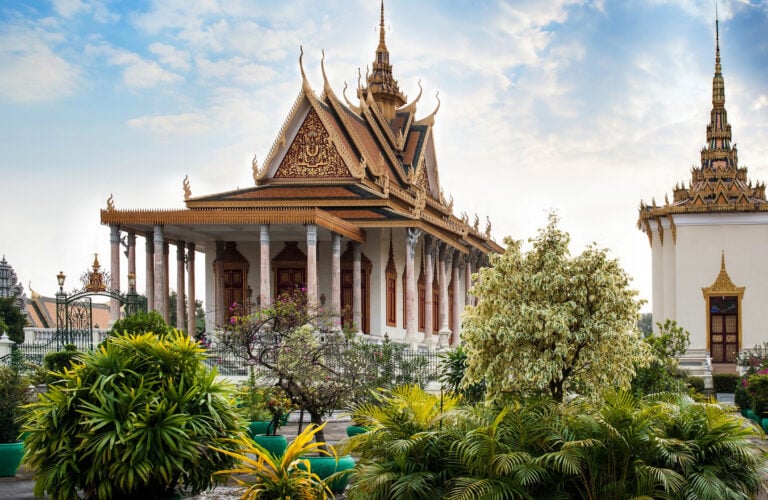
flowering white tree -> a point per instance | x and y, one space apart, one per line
547 322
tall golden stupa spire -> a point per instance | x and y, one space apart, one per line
718 152
381 84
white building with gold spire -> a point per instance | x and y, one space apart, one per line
706 247
348 204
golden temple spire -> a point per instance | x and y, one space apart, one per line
381 84
718 84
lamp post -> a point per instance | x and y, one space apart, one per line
61 310
131 297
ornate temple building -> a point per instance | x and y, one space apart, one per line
704 243
347 205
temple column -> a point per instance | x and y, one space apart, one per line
457 299
265 296
445 331
166 282
131 242
114 246
181 310
149 285
159 275
312 265
411 309
357 287
218 266
191 306
468 259
429 276
336 278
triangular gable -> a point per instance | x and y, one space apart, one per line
312 153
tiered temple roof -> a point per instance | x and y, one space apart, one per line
719 185
341 166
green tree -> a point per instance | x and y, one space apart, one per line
547 322
662 373
645 324
14 319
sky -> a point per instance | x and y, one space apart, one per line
583 107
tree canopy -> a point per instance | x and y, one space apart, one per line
549 322
12 319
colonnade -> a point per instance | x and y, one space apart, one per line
157 279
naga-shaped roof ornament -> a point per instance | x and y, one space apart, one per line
326 86
187 190
351 106
255 169
110 203
411 106
430 119
304 82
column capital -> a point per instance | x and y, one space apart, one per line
412 236
114 233
311 234
180 254
264 234
159 237
445 252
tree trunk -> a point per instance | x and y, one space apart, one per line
317 419
556 390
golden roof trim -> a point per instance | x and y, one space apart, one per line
723 283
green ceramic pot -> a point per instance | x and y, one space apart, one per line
354 430
256 428
325 466
10 458
276 445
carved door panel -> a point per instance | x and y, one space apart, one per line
724 329
289 278
347 297
234 289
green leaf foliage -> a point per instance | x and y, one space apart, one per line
141 322
134 419
662 373
13 319
13 395
547 322
623 447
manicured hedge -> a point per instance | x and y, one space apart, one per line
725 382
696 383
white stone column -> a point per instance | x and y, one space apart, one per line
357 287
445 330
411 312
265 295
312 265
191 309
181 310
336 277
149 285
114 246
458 306
159 277
131 241
429 276
166 282
221 307
468 259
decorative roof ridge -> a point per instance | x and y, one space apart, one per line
366 162
430 119
394 161
411 106
723 282
280 140
382 123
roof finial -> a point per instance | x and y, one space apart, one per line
382 43
718 69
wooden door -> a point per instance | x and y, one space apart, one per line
724 328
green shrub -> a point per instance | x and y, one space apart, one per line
725 382
13 395
757 388
56 361
141 322
696 383
741 398
134 419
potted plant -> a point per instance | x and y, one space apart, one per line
279 406
134 419
13 395
263 476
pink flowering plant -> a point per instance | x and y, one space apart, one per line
751 393
294 346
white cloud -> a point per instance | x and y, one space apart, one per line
183 124
234 70
171 56
68 8
30 69
137 71
761 102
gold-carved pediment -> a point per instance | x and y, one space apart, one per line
723 285
312 153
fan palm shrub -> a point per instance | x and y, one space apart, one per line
264 476
402 454
134 419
